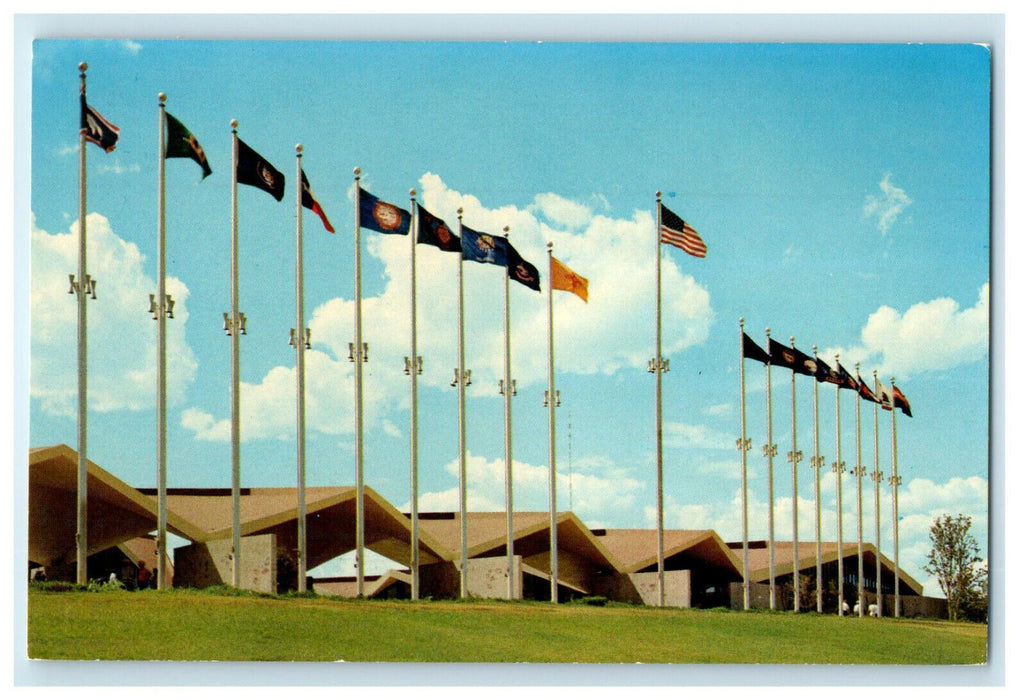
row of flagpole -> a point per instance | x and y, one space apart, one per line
669 228
248 167
799 363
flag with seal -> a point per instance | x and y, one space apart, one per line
433 231
826 373
381 216
519 270
847 381
484 247
795 360
254 170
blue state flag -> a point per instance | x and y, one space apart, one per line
485 248
382 217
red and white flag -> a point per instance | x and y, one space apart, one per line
677 232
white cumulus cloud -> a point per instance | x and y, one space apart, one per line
122 336
614 254
604 497
932 335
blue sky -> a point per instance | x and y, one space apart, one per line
843 192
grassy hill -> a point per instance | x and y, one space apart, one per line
228 626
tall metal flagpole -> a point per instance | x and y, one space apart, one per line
461 381
817 463
794 457
413 368
656 366
550 400
508 389
358 354
838 468
895 481
300 338
82 288
859 471
877 478
770 449
235 331
160 311
744 443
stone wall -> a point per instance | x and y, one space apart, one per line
210 563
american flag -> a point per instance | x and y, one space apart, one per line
678 233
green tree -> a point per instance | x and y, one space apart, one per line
954 559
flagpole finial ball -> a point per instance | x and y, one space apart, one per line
792 340
505 229
460 211
413 192
658 194
815 348
299 148
235 123
549 246
356 172
767 331
83 67
162 97
741 320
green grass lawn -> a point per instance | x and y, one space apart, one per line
195 625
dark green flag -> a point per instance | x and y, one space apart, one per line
182 144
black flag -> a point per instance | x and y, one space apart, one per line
254 170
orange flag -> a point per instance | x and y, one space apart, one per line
567 280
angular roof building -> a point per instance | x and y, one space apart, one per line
620 564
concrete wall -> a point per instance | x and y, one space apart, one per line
643 588
676 588
487 577
210 563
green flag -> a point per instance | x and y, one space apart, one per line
182 144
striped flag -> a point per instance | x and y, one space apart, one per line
679 233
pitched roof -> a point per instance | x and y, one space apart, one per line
639 549
783 555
